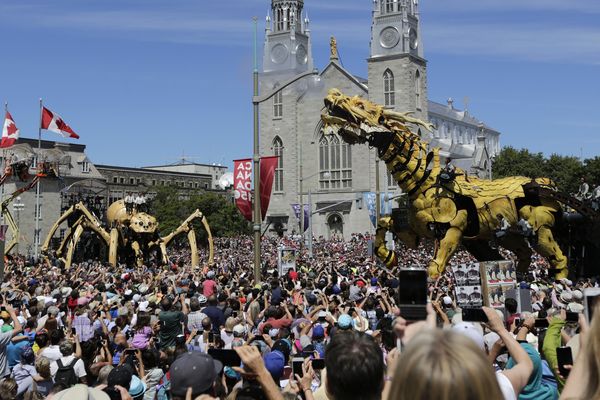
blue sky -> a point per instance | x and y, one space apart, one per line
145 81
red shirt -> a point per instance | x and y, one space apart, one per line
209 287
276 323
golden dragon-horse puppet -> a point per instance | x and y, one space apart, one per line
450 209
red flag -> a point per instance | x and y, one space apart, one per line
53 122
267 173
10 132
242 188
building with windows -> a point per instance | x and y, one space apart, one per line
73 166
332 174
215 171
123 180
80 180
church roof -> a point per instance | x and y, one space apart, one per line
362 82
434 107
458 115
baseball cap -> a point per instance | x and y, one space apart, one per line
469 330
283 347
210 274
196 370
318 332
239 330
345 322
275 362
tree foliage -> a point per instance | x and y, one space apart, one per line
170 209
566 171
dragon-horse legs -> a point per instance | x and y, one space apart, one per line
518 245
448 245
541 219
406 236
387 256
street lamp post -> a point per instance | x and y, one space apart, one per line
256 100
377 192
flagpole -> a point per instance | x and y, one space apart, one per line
3 159
36 213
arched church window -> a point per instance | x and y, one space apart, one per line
418 90
278 104
335 163
389 88
278 151
389 6
279 19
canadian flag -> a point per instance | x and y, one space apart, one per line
53 122
10 132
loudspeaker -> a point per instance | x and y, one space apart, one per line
400 217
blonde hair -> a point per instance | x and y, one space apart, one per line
444 365
8 389
42 366
592 389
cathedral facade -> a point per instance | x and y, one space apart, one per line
324 173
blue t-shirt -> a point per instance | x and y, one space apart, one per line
216 317
13 352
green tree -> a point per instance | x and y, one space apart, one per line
565 171
222 215
170 209
166 206
592 171
513 162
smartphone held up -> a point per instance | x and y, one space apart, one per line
413 294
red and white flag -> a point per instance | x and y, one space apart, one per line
53 122
10 132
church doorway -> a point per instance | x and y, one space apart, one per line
335 224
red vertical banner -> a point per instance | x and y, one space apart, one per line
242 186
267 174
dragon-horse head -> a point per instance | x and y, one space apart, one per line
358 121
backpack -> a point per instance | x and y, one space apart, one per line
66 374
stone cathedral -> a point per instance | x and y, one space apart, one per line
324 172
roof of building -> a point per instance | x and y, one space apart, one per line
185 162
101 167
434 107
361 82
50 144
458 115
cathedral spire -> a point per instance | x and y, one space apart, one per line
396 28
287 15
287 42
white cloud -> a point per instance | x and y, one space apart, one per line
462 6
534 43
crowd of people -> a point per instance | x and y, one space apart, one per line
331 328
